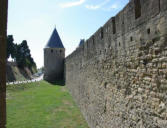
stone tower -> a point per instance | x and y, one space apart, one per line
54 55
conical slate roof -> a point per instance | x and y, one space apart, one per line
81 42
54 41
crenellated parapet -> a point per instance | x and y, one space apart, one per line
118 77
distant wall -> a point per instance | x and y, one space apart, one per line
119 76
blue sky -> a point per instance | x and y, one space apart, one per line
34 21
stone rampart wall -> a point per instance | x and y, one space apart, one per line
118 77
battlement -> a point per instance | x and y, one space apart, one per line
118 77
132 16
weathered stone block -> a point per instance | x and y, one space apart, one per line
126 88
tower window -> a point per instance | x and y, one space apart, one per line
119 44
148 30
137 9
100 52
131 38
51 50
60 51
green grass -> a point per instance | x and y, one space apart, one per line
42 105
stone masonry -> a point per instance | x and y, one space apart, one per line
54 55
118 77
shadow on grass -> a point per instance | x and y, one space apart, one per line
57 83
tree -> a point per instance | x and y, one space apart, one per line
10 47
21 53
23 56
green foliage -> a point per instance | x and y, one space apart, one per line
10 47
21 53
34 69
42 105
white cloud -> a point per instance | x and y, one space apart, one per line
98 6
71 4
113 6
92 7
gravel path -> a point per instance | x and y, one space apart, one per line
26 81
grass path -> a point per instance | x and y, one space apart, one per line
42 105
